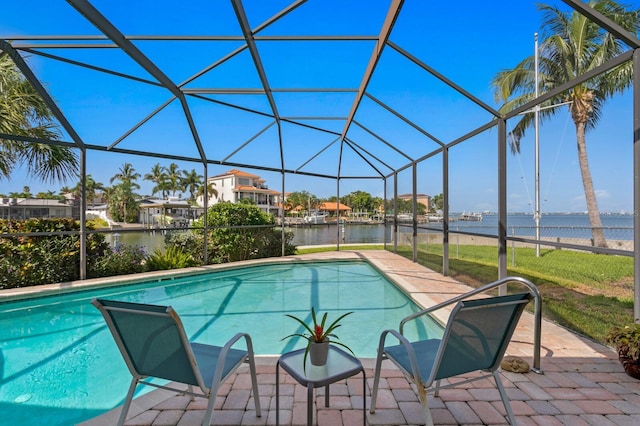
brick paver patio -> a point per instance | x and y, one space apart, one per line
582 382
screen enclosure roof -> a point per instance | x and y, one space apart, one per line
331 88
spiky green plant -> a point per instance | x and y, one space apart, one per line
171 258
318 333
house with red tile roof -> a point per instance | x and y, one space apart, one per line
236 185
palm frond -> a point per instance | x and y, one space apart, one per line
50 162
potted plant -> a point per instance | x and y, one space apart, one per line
318 337
627 342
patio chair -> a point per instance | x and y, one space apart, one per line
475 338
154 344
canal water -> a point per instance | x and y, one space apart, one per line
617 227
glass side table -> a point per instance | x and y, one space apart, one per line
340 365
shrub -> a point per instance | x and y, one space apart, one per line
626 340
272 244
172 258
190 242
124 259
43 259
241 232
97 223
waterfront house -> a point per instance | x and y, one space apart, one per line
172 212
423 199
331 209
37 208
236 185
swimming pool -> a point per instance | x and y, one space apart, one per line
60 366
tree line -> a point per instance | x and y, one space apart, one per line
361 201
121 198
123 202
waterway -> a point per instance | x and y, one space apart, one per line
565 226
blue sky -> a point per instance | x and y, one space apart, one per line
468 45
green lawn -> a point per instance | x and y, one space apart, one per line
587 293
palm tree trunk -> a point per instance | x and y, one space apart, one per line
589 193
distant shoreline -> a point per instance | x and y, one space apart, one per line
463 239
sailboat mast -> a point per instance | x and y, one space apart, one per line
536 215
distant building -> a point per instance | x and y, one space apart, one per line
331 208
156 212
37 208
236 185
423 199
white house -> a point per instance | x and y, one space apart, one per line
170 212
236 185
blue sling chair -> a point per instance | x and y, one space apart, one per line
475 338
154 344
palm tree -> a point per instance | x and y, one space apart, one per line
109 193
437 202
158 177
127 174
573 46
191 182
65 190
173 178
378 203
122 204
301 198
49 195
211 190
91 188
24 113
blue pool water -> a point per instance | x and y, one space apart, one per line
60 366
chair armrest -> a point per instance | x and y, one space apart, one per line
429 310
413 361
532 288
225 350
234 339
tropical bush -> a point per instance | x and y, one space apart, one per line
189 242
172 258
242 232
43 259
121 260
97 223
626 340
237 232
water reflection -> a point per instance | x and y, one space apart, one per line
303 236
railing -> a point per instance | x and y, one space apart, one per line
619 238
537 328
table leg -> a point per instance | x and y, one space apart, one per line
326 396
309 404
364 398
277 393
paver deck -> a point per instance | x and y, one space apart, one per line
582 383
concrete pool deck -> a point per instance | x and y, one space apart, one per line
582 383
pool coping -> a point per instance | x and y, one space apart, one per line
24 293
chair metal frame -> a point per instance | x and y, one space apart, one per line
426 386
192 352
